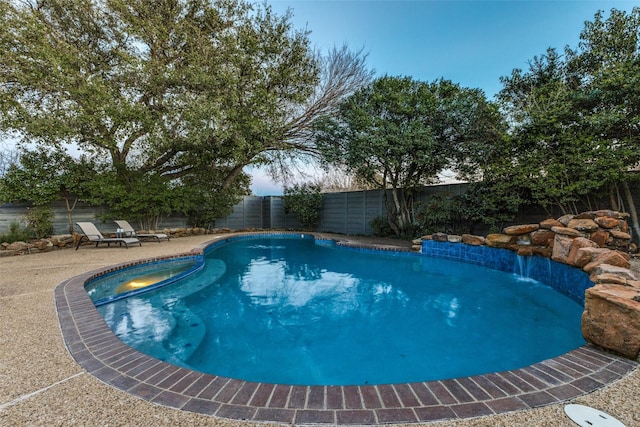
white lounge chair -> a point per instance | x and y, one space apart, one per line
92 234
128 231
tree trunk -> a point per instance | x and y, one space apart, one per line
632 210
70 209
391 212
398 212
612 197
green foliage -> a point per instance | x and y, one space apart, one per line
574 117
16 233
143 198
39 221
42 176
460 214
398 134
436 214
38 224
490 203
380 226
305 201
163 94
204 203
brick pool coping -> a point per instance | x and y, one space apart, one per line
94 346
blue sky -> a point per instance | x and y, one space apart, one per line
472 43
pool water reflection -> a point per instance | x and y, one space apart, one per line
337 316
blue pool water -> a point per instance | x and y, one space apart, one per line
299 311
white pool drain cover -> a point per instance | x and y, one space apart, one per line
586 416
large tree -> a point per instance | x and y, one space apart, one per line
605 68
548 154
174 91
398 134
576 118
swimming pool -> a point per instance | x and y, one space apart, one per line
290 310
104 356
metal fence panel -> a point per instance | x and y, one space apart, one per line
355 208
344 213
246 214
276 216
350 212
332 214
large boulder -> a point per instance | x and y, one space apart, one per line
43 245
624 275
547 224
470 239
624 226
18 246
611 319
542 251
440 237
542 238
585 215
619 240
564 219
621 235
576 259
607 222
523 250
610 257
566 231
610 213
600 236
583 224
516 230
586 254
497 240
561 248
62 237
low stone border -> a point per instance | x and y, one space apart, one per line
94 346
66 241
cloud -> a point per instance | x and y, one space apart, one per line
262 184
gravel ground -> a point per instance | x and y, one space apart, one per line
41 385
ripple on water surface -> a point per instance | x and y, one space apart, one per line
295 312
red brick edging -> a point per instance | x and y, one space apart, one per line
94 346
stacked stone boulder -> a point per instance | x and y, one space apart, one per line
70 240
40 245
599 243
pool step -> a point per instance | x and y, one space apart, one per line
186 336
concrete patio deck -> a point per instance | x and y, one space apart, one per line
41 384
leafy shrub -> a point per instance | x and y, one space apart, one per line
380 226
39 221
16 233
305 201
490 203
436 214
